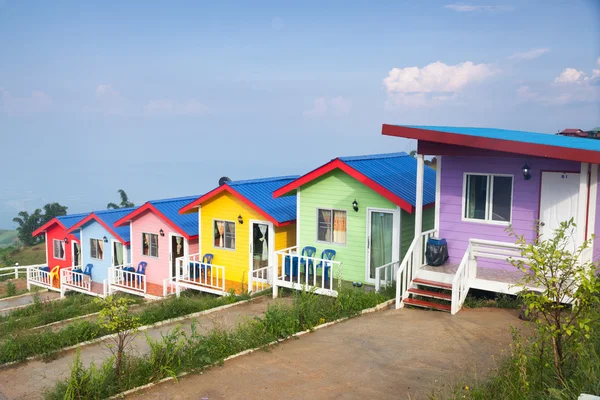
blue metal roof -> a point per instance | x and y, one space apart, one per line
260 192
109 217
69 220
397 172
170 209
518 136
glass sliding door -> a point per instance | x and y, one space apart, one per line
381 240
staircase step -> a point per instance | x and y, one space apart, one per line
439 285
429 293
427 304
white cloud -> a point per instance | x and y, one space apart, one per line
106 91
474 8
336 105
436 82
571 75
170 107
529 55
37 102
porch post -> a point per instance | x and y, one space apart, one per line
419 208
593 201
438 191
580 218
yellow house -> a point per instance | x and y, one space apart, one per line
241 225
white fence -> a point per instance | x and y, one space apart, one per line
298 272
37 276
260 279
73 280
126 281
192 273
385 275
13 272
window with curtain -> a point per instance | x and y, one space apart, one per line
488 198
97 249
150 244
331 226
224 234
58 249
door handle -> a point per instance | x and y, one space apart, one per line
542 224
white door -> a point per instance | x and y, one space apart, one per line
559 202
383 239
75 253
178 247
118 253
261 244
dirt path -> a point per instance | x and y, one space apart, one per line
11 302
394 354
28 381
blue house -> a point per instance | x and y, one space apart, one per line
103 245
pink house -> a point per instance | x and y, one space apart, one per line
159 235
489 180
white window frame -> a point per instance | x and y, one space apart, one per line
332 212
64 257
215 220
91 246
150 245
489 197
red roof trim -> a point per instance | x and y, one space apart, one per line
47 225
508 146
150 207
226 188
337 163
94 217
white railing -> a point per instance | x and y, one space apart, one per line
169 286
14 271
385 275
78 281
38 277
496 250
126 281
260 279
295 271
192 273
462 280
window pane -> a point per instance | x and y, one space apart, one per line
154 245
476 196
339 227
93 249
324 225
230 235
145 244
502 198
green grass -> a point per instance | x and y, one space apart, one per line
483 299
178 352
41 313
21 345
7 237
24 256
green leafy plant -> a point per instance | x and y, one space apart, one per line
568 299
115 317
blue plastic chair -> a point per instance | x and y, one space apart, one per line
326 255
141 269
86 271
308 251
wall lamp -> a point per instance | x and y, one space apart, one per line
526 171
105 239
240 219
162 233
355 205
66 240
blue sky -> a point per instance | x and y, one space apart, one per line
163 98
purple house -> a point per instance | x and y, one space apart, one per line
488 180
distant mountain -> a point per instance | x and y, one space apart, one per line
7 237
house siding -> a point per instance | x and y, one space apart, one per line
58 233
337 190
526 194
158 268
93 230
236 262
596 256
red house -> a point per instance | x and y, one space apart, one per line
62 248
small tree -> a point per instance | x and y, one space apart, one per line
125 203
27 223
564 310
115 317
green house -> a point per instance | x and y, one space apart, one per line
363 208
